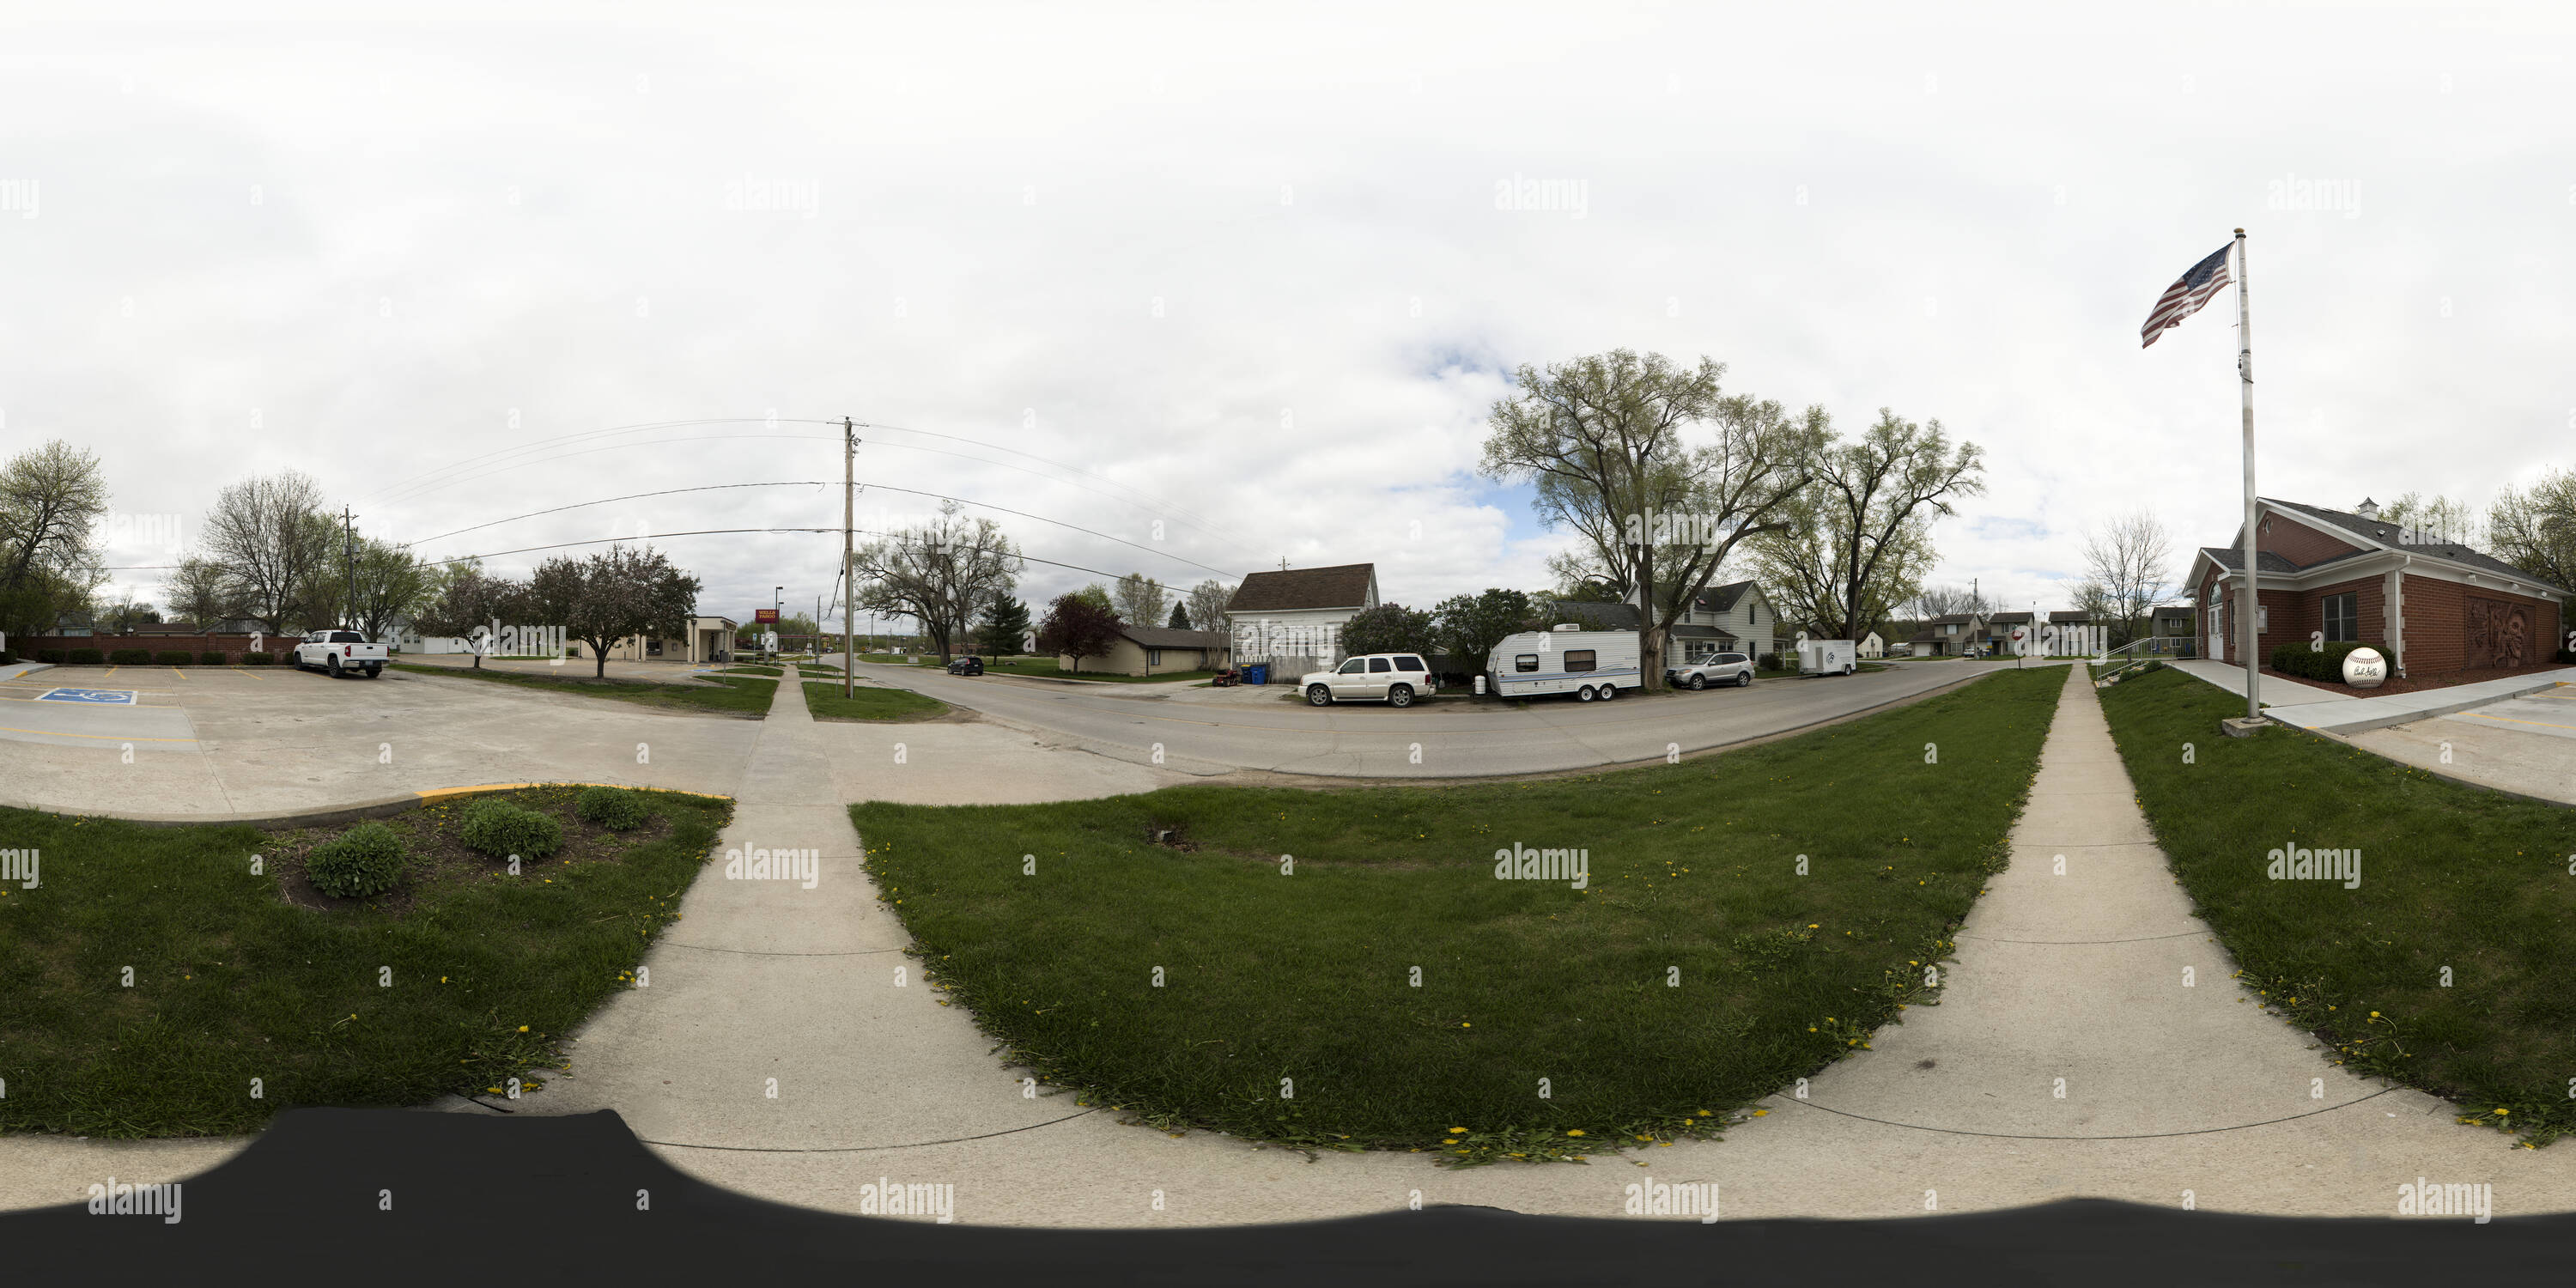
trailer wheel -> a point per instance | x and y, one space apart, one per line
1583 694
1318 696
1609 691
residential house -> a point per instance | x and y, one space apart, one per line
2173 622
1999 633
1734 618
1292 619
2432 604
1949 635
1158 650
1872 645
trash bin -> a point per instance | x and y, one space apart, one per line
1257 673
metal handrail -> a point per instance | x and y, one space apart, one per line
2156 645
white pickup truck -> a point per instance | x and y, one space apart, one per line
339 652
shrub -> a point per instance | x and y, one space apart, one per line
614 808
502 828
85 657
1768 662
365 860
53 656
210 658
174 657
2314 663
258 659
130 657
2567 655
6 657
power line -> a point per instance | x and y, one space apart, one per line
714 532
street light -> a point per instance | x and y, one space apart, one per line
777 600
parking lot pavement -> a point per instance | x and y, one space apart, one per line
2525 744
269 740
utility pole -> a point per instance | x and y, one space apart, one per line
849 589
349 550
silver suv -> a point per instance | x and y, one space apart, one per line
1393 678
1719 668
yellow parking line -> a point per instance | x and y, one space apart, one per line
2510 720
177 672
110 671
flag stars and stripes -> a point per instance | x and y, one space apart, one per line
2186 295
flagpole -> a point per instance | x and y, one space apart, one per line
2250 605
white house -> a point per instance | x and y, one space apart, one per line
1292 619
1733 618
1872 646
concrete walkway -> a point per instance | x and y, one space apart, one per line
2277 690
2356 713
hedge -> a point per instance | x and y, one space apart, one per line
2312 662
85 657
175 657
211 658
52 656
130 657
258 659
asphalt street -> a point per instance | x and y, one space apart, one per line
1435 739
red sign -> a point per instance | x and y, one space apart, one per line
764 614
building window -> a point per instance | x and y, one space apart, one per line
2262 619
1153 657
2343 616
1580 659
1525 662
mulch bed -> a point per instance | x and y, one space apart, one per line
2419 683
440 858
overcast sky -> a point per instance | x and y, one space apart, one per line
1240 270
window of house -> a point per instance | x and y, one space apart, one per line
1950 629
2343 616
1153 657
1525 662
1580 659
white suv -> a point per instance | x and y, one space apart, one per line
1393 678
1717 668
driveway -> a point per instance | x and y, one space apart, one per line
1436 739
2525 744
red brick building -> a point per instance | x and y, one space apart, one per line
2432 605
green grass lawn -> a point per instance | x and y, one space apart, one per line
746 696
752 669
874 705
2453 879
1303 980
239 975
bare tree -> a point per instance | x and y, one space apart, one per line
2436 519
1207 602
276 550
2131 560
1141 599
1945 601
1606 442
51 499
941 573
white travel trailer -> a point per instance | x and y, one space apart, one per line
1591 665
1827 657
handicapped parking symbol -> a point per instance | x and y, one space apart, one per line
123 697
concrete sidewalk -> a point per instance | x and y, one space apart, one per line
2277 690
2359 713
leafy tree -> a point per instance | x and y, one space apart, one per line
1004 630
1607 443
2437 519
1207 601
2534 529
51 563
1180 615
1388 628
1140 599
196 593
466 599
617 594
1097 595
1469 626
1859 541
392 585
1077 628
940 573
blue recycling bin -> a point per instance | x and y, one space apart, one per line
1257 673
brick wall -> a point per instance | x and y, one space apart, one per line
231 646
2370 598
2437 624
2299 543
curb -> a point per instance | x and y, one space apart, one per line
2368 723
383 807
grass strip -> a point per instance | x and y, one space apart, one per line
2445 968
874 705
742 696
1343 969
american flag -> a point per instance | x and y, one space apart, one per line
2186 295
